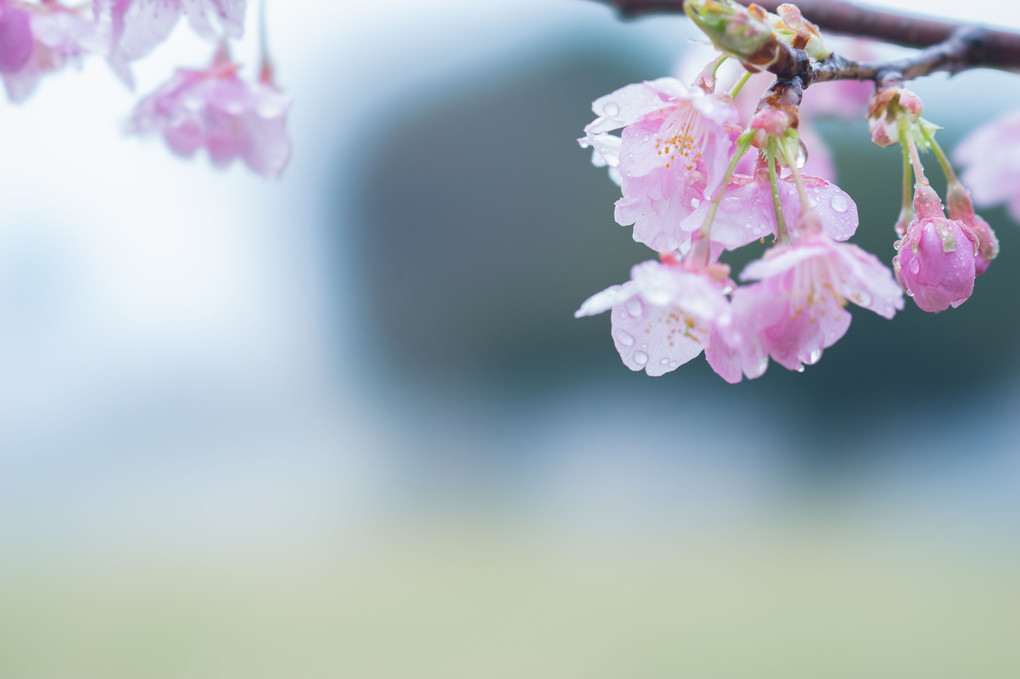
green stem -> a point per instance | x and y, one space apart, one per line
743 143
907 183
740 84
791 162
770 155
907 141
947 168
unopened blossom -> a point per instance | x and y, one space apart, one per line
663 316
991 158
797 307
15 37
673 151
935 261
60 35
960 207
884 111
138 26
217 110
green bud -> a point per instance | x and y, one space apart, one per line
730 26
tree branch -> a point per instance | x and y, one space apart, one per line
988 47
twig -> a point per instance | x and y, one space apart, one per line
988 47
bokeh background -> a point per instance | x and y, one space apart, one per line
344 424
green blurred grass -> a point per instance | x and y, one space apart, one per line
497 604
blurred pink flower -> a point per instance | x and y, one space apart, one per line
673 151
663 316
797 308
15 38
991 156
138 26
217 110
935 261
59 35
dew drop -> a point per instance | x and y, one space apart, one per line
664 361
640 357
695 202
839 203
813 357
634 307
800 368
915 265
611 109
624 338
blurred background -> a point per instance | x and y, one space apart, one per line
344 424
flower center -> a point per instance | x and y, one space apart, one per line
682 137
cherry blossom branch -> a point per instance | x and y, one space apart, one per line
992 48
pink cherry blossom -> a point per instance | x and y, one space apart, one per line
61 35
663 316
936 258
673 150
138 26
797 308
15 38
991 156
215 109
746 211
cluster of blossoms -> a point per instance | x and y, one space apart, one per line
698 178
214 108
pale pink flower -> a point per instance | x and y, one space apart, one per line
15 38
138 26
747 213
991 155
663 316
674 148
935 261
216 110
61 35
796 309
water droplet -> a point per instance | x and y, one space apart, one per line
695 202
800 368
839 203
611 109
673 365
915 265
640 357
813 357
624 338
801 155
634 307
897 245
664 361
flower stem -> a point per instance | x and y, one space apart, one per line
740 84
770 154
743 143
907 141
947 168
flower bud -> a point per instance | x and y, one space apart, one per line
884 109
961 208
936 259
731 27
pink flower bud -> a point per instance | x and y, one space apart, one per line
961 208
772 121
936 259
